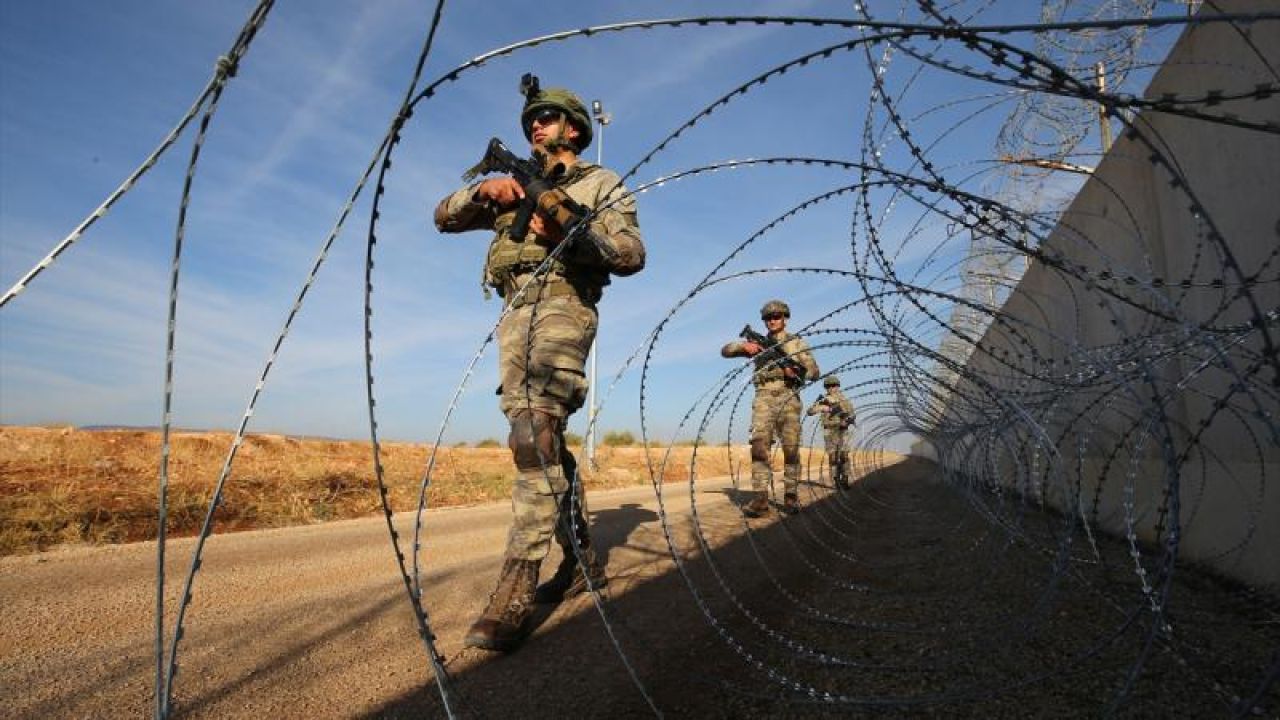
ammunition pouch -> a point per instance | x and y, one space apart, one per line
509 256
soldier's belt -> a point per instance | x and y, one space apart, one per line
545 289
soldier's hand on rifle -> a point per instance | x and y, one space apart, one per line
751 349
790 372
504 191
548 231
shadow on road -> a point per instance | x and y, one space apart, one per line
686 663
901 596
611 527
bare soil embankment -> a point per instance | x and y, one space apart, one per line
65 485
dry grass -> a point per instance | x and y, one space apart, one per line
62 485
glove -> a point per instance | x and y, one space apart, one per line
568 214
559 207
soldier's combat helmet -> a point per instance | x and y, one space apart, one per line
831 381
537 98
775 307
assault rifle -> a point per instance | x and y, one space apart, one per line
773 352
540 193
836 411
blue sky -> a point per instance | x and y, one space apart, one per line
88 89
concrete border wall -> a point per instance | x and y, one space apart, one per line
1168 432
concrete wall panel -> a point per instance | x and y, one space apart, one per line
1171 250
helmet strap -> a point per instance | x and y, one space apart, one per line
555 145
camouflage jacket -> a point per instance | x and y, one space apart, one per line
767 373
511 261
837 410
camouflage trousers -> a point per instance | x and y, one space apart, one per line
775 414
837 444
543 507
542 350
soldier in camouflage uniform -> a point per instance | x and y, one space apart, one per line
543 341
837 417
775 412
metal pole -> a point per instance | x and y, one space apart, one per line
602 118
1104 122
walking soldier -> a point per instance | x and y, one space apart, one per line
837 419
782 363
544 337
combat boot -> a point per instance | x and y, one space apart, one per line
790 504
502 625
569 581
758 507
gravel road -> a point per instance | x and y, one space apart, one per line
901 597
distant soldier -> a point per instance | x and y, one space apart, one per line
543 343
783 363
837 417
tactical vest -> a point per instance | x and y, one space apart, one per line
509 256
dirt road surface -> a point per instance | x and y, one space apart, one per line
300 622
900 597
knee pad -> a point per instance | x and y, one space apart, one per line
791 454
760 450
533 440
